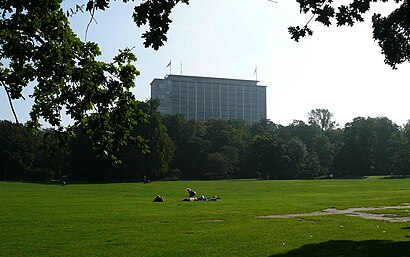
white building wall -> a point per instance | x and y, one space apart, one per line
204 98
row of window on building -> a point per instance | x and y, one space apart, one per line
204 98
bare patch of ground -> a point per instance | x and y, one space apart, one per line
356 212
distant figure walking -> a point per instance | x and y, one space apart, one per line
191 192
146 181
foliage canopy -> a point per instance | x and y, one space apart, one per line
39 48
392 32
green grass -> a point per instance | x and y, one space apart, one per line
122 220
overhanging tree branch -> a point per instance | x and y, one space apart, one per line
10 102
391 32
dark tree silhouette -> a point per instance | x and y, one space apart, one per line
39 48
392 32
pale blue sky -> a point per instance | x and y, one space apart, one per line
340 69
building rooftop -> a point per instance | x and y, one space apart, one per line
199 78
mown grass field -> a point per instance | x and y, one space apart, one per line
121 219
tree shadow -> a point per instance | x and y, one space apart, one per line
397 177
346 248
349 177
69 182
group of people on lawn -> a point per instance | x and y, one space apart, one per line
191 197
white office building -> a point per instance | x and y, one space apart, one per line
204 98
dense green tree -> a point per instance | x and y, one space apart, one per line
241 130
39 48
310 167
317 144
297 153
17 151
385 130
366 146
176 129
335 136
228 138
218 166
359 150
269 157
194 158
195 128
406 130
160 145
264 126
399 154
175 125
51 157
191 154
324 152
83 164
209 149
304 132
220 133
399 151
188 136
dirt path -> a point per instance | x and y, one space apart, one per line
357 212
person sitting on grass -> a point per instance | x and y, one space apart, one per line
191 192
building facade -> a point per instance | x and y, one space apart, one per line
204 98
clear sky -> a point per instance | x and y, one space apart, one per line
338 68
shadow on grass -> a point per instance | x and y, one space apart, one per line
350 177
344 248
59 183
397 177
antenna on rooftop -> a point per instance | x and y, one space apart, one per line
170 66
181 67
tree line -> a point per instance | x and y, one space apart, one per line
176 148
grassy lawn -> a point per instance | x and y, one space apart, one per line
122 220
